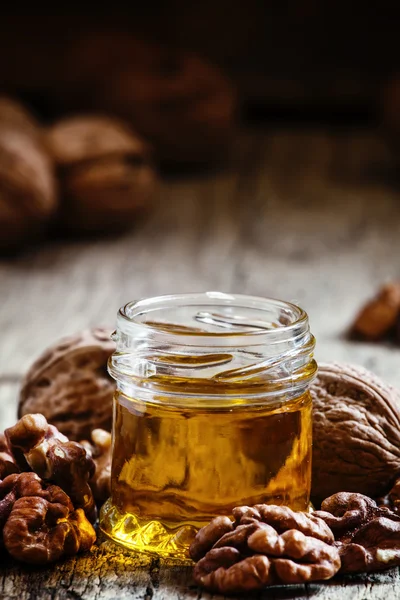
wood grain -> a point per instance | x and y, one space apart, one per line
108 573
308 216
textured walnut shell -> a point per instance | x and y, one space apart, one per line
106 172
356 432
28 196
179 101
14 114
70 386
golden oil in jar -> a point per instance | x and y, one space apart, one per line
186 449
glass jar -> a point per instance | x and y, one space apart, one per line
211 411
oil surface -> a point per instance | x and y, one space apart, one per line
176 467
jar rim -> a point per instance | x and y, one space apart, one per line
156 337
296 317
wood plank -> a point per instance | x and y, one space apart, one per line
110 573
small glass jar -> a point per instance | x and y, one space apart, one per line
212 410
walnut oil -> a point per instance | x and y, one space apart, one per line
204 419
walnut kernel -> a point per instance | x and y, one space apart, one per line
40 524
367 536
265 545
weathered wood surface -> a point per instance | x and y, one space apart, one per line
312 217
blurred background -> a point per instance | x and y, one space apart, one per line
242 146
328 56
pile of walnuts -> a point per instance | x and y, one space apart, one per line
356 447
272 545
86 173
136 103
52 477
50 488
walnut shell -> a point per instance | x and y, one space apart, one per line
182 103
106 172
70 386
90 137
28 196
380 315
356 432
14 114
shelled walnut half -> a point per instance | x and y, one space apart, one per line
265 545
100 450
7 461
41 447
47 485
38 522
106 171
366 535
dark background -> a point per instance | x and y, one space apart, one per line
296 56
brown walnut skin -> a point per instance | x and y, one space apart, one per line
100 450
38 521
28 190
7 461
106 172
366 535
15 114
379 317
182 103
392 498
70 386
265 545
39 446
356 432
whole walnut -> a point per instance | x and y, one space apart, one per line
356 432
106 173
178 100
28 191
70 386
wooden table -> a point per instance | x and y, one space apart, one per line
308 216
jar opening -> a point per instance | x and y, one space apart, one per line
213 315
213 344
